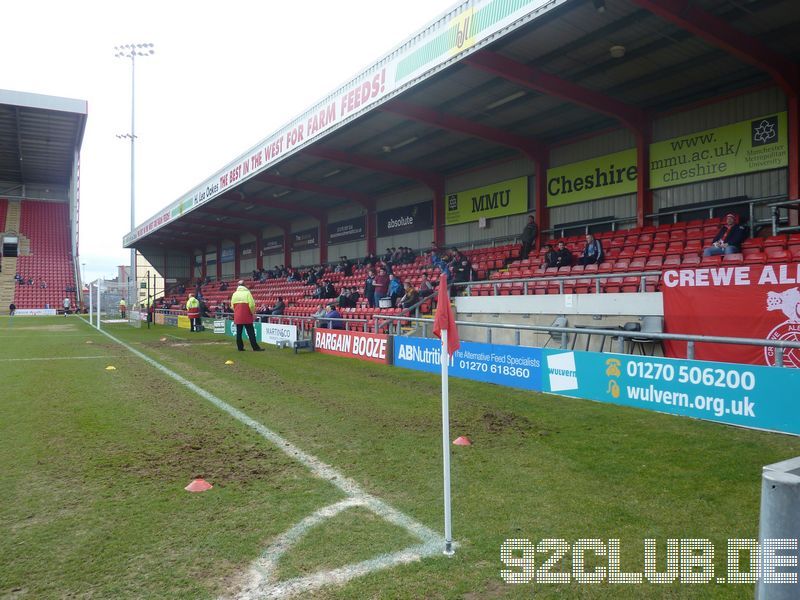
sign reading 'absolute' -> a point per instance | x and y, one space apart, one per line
416 217
496 200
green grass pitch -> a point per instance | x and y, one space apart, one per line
94 462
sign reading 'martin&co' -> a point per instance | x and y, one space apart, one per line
496 200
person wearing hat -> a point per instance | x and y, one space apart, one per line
729 239
244 312
193 312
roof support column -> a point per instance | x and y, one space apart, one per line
219 260
323 240
438 214
541 163
259 249
287 247
372 230
204 266
237 266
644 195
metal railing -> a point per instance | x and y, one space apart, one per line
775 219
561 279
620 336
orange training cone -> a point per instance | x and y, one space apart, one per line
198 485
462 441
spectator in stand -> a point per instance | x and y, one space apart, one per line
43 284
354 296
370 260
181 289
528 237
193 312
223 286
344 298
395 289
564 257
279 307
462 273
381 285
410 298
592 252
330 291
244 310
550 257
333 317
729 238
319 292
369 288
425 286
30 281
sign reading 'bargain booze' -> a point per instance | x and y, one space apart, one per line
355 344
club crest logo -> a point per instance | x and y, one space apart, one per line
788 302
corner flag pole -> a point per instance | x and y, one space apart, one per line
448 527
444 326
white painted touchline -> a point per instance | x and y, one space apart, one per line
260 583
59 358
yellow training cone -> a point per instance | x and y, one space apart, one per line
111 368
228 362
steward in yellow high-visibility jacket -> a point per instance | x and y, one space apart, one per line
193 312
244 311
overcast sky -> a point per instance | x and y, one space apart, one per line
223 77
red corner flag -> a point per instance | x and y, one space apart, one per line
444 319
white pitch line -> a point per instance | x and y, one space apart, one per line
57 358
260 574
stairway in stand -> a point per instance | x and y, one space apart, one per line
7 283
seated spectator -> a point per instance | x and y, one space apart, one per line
330 291
354 296
410 298
592 252
370 260
43 284
462 271
332 315
729 238
425 286
344 299
223 286
278 308
550 257
319 292
395 289
563 255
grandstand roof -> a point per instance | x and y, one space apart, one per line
527 76
39 138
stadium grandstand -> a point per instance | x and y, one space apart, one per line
642 122
41 139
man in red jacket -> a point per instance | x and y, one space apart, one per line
244 311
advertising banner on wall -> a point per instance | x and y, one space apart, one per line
512 366
274 333
712 301
599 177
744 147
35 312
490 201
303 240
373 347
230 329
347 231
227 254
247 250
272 245
415 217
743 395
183 322
748 146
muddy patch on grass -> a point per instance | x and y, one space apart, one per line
213 456
494 589
498 422
47 328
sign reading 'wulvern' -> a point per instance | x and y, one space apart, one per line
496 200
745 147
